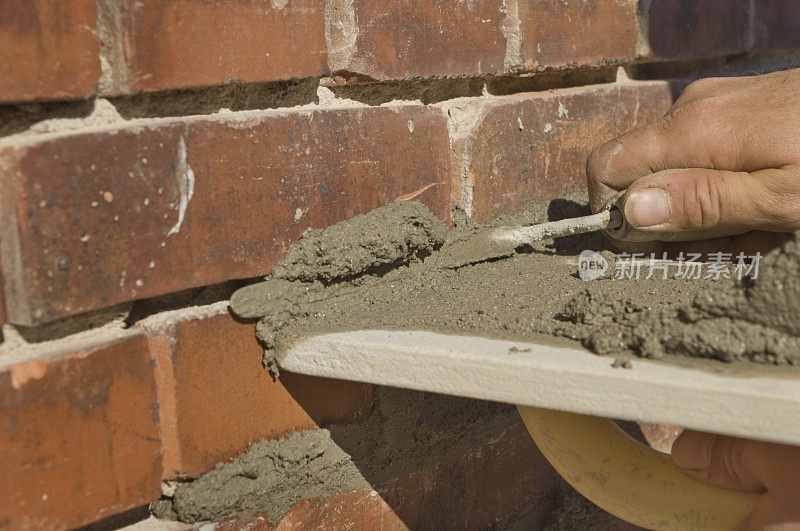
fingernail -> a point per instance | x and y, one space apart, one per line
647 207
692 450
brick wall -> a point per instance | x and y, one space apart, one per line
156 155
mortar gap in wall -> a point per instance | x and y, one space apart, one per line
74 324
552 79
16 118
742 64
235 96
119 520
436 90
427 91
202 296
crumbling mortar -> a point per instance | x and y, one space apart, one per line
160 321
40 120
510 26
750 63
341 32
113 64
463 116
66 336
642 48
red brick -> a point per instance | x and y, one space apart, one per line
535 145
560 34
688 29
776 24
170 44
48 49
660 436
79 436
246 522
217 398
386 39
487 486
87 218
357 509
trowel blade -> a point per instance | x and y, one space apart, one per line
502 242
480 247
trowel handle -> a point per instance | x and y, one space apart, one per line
627 232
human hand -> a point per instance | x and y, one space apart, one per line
725 156
742 464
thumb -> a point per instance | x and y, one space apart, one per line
705 199
726 462
742 464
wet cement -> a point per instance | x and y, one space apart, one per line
404 432
371 243
269 478
534 295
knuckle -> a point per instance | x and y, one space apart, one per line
594 163
708 111
677 123
702 203
601 159
700 88
729 465
690 115
713 108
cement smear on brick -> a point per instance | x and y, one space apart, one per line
269 478
405 431
383 238
537 296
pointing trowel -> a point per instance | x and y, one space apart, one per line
502 242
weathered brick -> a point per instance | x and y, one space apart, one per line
776 24
216 398
169 44
78 434
487 486
385 39
248 522
513 148
382 40
48 49
570 34
688 29
105 216
357 509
